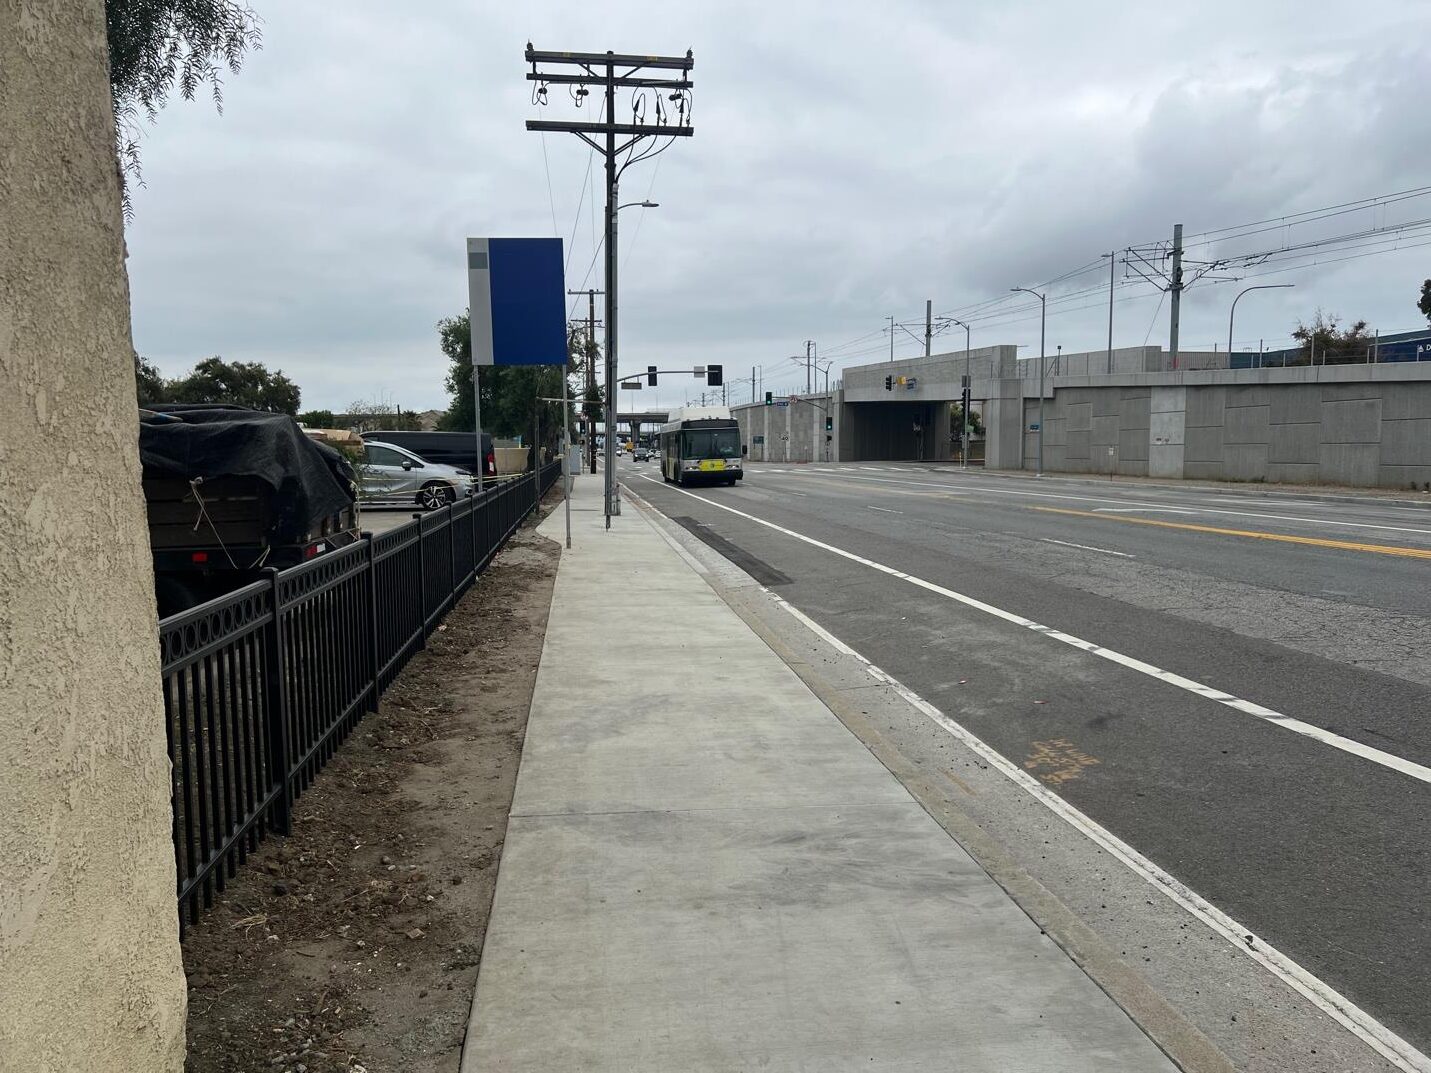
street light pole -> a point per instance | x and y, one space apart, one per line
1042 323
1233 311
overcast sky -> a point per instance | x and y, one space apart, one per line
849 161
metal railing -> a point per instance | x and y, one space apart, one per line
262 685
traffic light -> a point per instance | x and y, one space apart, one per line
650 376
713 377
770 398
889 383
829 423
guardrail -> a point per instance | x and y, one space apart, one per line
262 685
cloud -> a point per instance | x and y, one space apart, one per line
849 161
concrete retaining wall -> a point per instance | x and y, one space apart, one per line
1339 425
793 432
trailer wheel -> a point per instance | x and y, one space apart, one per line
173 595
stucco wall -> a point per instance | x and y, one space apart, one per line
90 977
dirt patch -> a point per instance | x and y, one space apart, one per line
353 944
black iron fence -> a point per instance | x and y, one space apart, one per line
262 685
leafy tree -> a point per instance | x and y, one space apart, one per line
318 419
1332 344
149 382
510 393
239 382
1425 303
956 422
156 45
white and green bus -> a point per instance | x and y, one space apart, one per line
700 444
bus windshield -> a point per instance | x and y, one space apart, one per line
711 443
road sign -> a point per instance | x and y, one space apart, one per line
1033 427
517 293
783 402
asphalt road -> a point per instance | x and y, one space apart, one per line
1238 687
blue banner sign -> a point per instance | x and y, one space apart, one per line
516 289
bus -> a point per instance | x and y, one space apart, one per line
700 443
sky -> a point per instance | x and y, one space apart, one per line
849 161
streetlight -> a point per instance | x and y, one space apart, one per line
613 504
1233 311
966 396
1042 321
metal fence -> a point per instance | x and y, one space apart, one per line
262 685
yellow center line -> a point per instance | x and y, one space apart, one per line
1316 542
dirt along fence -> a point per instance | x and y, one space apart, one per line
262 685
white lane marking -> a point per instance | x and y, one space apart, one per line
1247 707
1361 1024
883 510
872 469
1157 506
1086 547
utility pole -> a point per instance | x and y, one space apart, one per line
808 345
1175 286
601 69
1112 264
753 383
591 294
928 324
891 337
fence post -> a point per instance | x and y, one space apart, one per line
373 657
421 582
452 551
276 695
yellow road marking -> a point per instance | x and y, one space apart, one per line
1316 542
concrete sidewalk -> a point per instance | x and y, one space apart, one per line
704 870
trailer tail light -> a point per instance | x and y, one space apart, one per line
199 557
314 550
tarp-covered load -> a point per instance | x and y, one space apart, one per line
310 481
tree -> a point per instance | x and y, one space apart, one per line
379 417
1331 344
149 382
1425 304
956 421
241 383
318 419
155 45
510 393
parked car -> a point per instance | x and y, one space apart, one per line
389 472
457 449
